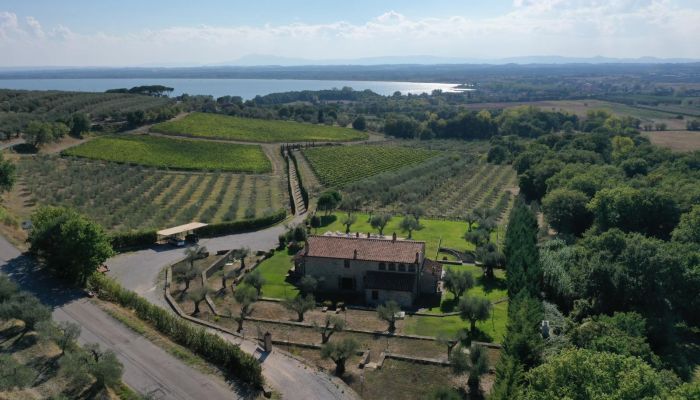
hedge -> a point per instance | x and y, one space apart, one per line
244 225
289 182
304 193
135 239
211 347
142 239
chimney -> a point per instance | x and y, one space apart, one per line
357 234
393 237
306 248
369 235
417 257
354 255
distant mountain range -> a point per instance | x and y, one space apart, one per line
263 60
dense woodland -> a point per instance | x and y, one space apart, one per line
618 276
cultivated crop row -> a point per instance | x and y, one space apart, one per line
339 166
122 197
446 186
254 130
176 154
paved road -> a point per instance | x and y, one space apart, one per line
147 368
140 271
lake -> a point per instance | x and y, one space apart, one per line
246 88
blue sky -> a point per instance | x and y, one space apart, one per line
122 16
178 32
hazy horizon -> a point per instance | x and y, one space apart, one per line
178 33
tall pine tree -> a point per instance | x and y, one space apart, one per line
523 270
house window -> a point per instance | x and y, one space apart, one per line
382 266
392 267
402 268
411 268
375 295
347 284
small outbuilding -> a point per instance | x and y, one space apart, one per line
179 233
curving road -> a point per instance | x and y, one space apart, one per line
148 369
140 271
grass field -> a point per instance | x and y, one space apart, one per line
492 330
175 153
122 197
675 140
255 130
450 232
274 270
339 166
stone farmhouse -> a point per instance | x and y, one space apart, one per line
377 269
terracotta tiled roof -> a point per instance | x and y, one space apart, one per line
389 281
387 250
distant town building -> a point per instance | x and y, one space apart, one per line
377 269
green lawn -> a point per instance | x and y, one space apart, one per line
491 289
491 330
175 153
274 270
451 232
338 166
255 130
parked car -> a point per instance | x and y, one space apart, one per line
192 238
176 241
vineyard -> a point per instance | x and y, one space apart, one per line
175 153
446 186
122 197
339 166
254 130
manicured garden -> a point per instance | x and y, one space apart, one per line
175 153
434 232
490 330
274 271
338 166
219 126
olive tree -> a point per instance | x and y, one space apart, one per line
339 352
387 312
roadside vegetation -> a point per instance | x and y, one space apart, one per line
215 126
40 358
175 153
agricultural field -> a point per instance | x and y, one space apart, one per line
217 126
122 197
447 186
338 166
675 140
18 107
175 153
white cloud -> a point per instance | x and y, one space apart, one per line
35 27
615 28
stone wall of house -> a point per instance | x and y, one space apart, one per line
330 271
428 283
404 299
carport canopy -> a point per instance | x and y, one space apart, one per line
191 227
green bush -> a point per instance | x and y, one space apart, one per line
211 347
226 228
133 239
